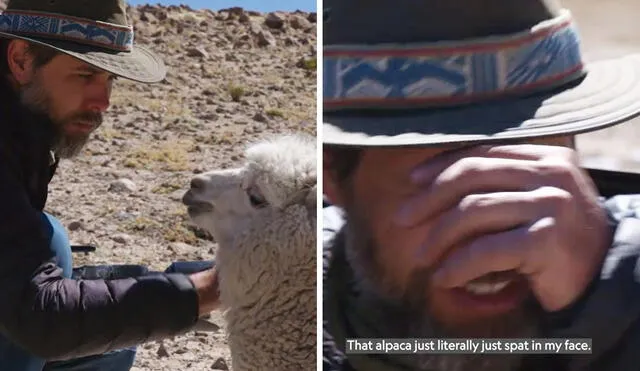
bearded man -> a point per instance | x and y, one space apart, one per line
58 61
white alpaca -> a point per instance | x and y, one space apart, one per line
263 217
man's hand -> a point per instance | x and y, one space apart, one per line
206 284
528 208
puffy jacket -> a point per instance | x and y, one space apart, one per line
608 312
50 316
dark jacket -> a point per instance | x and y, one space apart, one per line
608 312
48 315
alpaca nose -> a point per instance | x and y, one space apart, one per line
198 183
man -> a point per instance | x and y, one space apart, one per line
58 60
460 206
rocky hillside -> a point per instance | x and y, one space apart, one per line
234 76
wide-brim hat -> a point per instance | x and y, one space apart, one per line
95 32
460 71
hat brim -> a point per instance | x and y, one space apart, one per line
608 95
139 65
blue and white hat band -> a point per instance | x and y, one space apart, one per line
436 74
56 26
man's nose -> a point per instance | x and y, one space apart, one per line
100 103
99 100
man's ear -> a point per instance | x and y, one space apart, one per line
20 62
330 185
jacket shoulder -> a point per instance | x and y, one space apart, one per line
609 311
333 220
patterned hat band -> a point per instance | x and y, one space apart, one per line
437 74
62 27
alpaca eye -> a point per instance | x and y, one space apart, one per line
256 199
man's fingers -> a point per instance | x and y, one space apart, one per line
467 176
474 175
482 214
425 172
522 249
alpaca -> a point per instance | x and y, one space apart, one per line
263 217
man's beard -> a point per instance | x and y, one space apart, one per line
35 99
409 316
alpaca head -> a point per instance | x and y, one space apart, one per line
277 173
263 217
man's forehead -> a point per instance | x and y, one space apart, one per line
410 151
89 68
77 64
403 159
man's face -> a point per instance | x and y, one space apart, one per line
73 94
387 261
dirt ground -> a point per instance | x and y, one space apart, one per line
609 28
